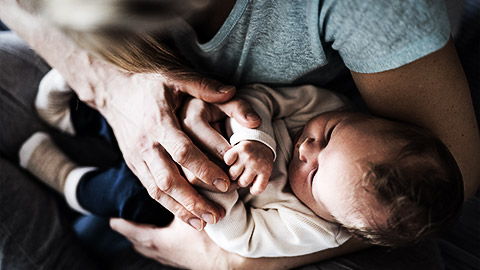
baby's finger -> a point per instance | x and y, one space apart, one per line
259 185
246 178
235 171
230 157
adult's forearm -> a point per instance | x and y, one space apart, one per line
237 262
431 92
53 45
168 245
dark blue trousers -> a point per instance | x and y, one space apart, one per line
113 191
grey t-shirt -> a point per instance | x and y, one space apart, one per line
282 42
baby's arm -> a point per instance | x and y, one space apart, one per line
253 150
250 158
251 162
276 218
275 225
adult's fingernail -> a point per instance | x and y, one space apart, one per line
209 218
252 117
220 184
225 89
196 223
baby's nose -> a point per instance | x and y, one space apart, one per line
308 150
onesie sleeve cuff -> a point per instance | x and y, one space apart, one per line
255 135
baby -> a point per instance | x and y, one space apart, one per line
335 171
335 174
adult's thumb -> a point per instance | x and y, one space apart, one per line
207 89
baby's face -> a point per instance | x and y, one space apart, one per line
325 168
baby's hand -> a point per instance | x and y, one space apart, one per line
250 161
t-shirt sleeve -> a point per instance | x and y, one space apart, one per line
377 35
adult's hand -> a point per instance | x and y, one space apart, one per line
168 245
141 110
180 246
204 123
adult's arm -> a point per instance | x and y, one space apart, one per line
431 92
169 246
144 123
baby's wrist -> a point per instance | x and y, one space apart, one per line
261 149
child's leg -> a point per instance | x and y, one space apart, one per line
89 122
41 157
117 192
53 101
57 104
114 192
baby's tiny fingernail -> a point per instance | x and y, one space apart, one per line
220 184
196 223
209 218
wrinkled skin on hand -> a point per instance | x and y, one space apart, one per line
141 108
203 122
166 245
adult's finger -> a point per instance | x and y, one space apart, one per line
167 245
135 232
207 89
143 237
186 154
203 210
241 111
169 181
192 179
213 91
198 122
182 150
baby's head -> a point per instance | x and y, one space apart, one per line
387 183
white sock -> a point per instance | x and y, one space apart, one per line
53 101
40 156
70 189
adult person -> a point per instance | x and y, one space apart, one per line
147 158
386 93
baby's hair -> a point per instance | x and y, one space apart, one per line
421 188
